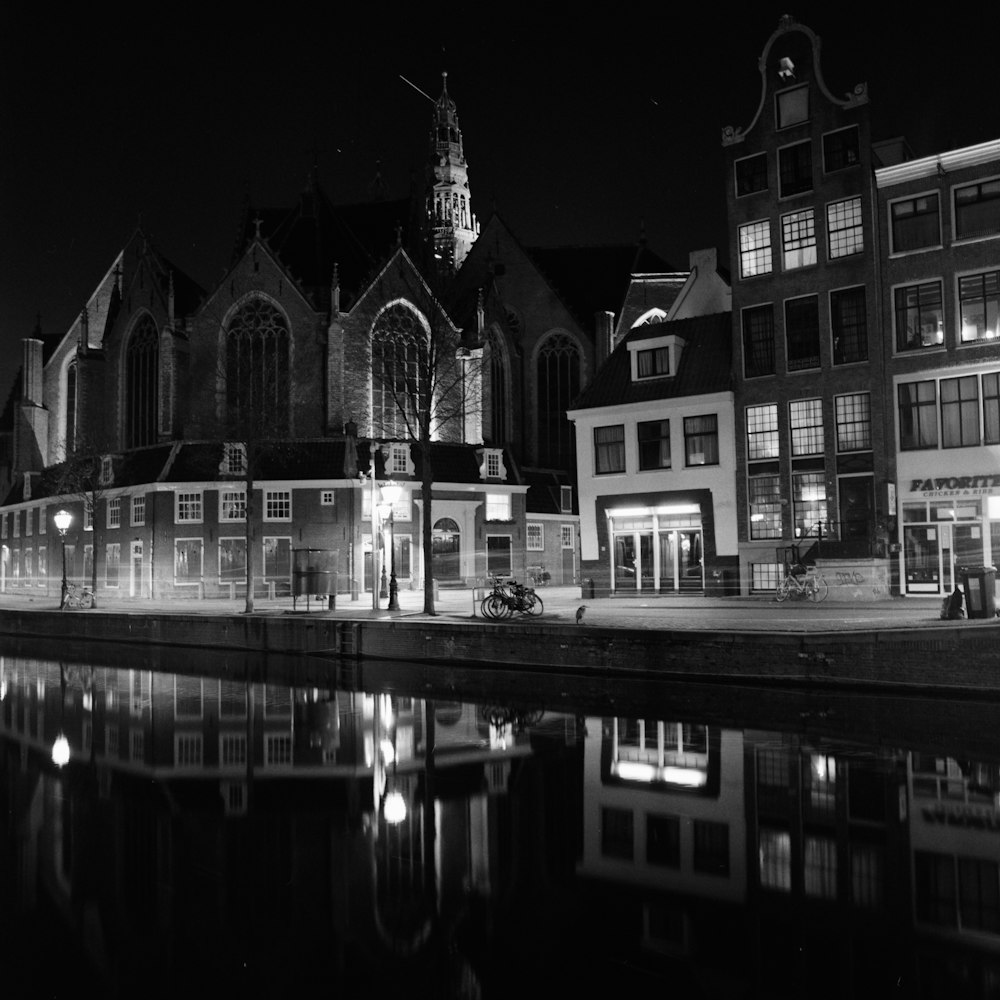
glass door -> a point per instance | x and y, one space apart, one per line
625 563
923 560
647 580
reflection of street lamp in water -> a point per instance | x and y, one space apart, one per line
63 519
60 748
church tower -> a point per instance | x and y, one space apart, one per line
451 224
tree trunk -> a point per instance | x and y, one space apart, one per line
248 609
427 525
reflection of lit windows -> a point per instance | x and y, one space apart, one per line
775 848
765 505
820 867
822 778
866 876
187 750
232 749
278 749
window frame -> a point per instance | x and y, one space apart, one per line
798 238
758 340
967 409
845 230
749 175
761 425
609 455
137 511
793 180
902 308
275 500
782 106
195 501
919 408
806 430
843 333
799 334
114 512
534 536
643 445
829 153
710 435
989 296
233 506
981 233
843 411
756 258
919 243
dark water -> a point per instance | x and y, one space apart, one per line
247 826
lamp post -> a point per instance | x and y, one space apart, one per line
390 494
63 519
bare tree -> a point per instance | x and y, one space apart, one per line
426 386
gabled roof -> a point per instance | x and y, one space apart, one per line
704 364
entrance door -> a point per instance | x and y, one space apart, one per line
135 571
681 568
625 563
923 559
857 503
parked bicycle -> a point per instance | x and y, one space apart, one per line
803 582
509 598
78 597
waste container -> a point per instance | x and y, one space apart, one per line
978 584
588 590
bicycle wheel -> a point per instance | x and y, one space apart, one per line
535 606
819 590
781 591
494 606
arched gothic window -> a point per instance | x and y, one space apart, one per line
257 383
71 407
558 385
141 384
497 391
399 361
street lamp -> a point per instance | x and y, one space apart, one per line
63 519
390 494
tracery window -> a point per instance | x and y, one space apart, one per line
498 401
399 360
257 349
141 384
558 385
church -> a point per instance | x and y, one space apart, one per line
203 438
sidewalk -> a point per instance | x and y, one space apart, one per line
740 614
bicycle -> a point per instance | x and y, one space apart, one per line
78 597
508 599
802 582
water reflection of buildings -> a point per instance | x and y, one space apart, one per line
204 822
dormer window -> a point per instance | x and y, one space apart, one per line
398 463
234 459
491 465
656 357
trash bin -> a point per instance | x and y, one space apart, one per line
588 590
978 584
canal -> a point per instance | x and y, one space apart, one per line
197 822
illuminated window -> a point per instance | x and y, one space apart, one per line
758 341
755 249
798 239
820 867
845 228
535 541
232 505
701 440
762 431
854 422
806 421
498 507
849 324
187 560
808 502
979 305
775 848
915 223
765 505
919 316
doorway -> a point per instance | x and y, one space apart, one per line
135 570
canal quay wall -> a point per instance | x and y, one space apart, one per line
955 657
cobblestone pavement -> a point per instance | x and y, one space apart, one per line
726 614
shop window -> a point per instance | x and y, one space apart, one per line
758 341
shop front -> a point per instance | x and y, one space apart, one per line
657 550
947 522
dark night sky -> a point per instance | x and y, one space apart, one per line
575 134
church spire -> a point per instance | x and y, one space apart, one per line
450 221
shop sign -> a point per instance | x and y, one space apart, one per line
956 486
